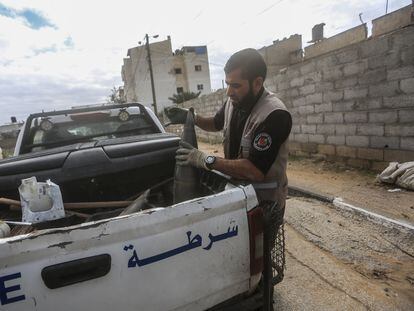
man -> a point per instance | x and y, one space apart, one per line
256 125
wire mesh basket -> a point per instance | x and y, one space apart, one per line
273 216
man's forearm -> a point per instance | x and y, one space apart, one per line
238 168
205 123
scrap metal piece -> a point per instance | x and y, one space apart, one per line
41 201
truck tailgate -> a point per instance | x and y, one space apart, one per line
190 256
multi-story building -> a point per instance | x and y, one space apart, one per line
185 70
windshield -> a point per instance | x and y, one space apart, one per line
60 130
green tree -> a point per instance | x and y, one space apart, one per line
182 97
116 96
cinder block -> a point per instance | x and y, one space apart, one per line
305 110
291 73
407 85
327 129
307 67
355 93
373 76
398 156
314 118
294 111
296 129
345 129
307 89
356 117
302 138
308 129
401 73
370 129
345 151
326 61
355 68
294 92
347 56
334 117
326 149
343 106
324 86
297 81
357 141
336 140
399 130
368 104
406 116
333 96
316 138
374 46
359 163
323 107
370 154
310 147
294 145
391 59
378 166
313 77
346 83
404 38
407 55
314 98
300 101
384 142
383 116
407 143
384 89
332 73
400 101
284 85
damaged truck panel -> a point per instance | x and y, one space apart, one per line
188 256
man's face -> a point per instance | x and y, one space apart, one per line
237 87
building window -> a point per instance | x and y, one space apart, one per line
177 71
197 67
180 90
199 87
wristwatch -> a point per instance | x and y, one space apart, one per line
209 161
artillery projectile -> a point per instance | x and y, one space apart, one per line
186 178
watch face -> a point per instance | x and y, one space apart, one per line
210 159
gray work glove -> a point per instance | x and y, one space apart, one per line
188 155
177 115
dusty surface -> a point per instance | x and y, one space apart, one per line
357 187
338 261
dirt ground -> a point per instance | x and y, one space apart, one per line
337 260
356 187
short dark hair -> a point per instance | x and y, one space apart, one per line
250 62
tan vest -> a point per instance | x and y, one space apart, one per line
274 186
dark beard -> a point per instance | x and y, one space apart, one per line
248 99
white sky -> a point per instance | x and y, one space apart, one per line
78 59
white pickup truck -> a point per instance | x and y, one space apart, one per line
198 254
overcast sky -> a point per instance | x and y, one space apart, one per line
57 54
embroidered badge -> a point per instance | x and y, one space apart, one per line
262 141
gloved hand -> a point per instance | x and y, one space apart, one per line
188 155
177 115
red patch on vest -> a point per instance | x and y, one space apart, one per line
262 142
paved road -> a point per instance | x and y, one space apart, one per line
337 261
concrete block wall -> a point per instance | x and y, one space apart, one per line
393 20
355 104
205 105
